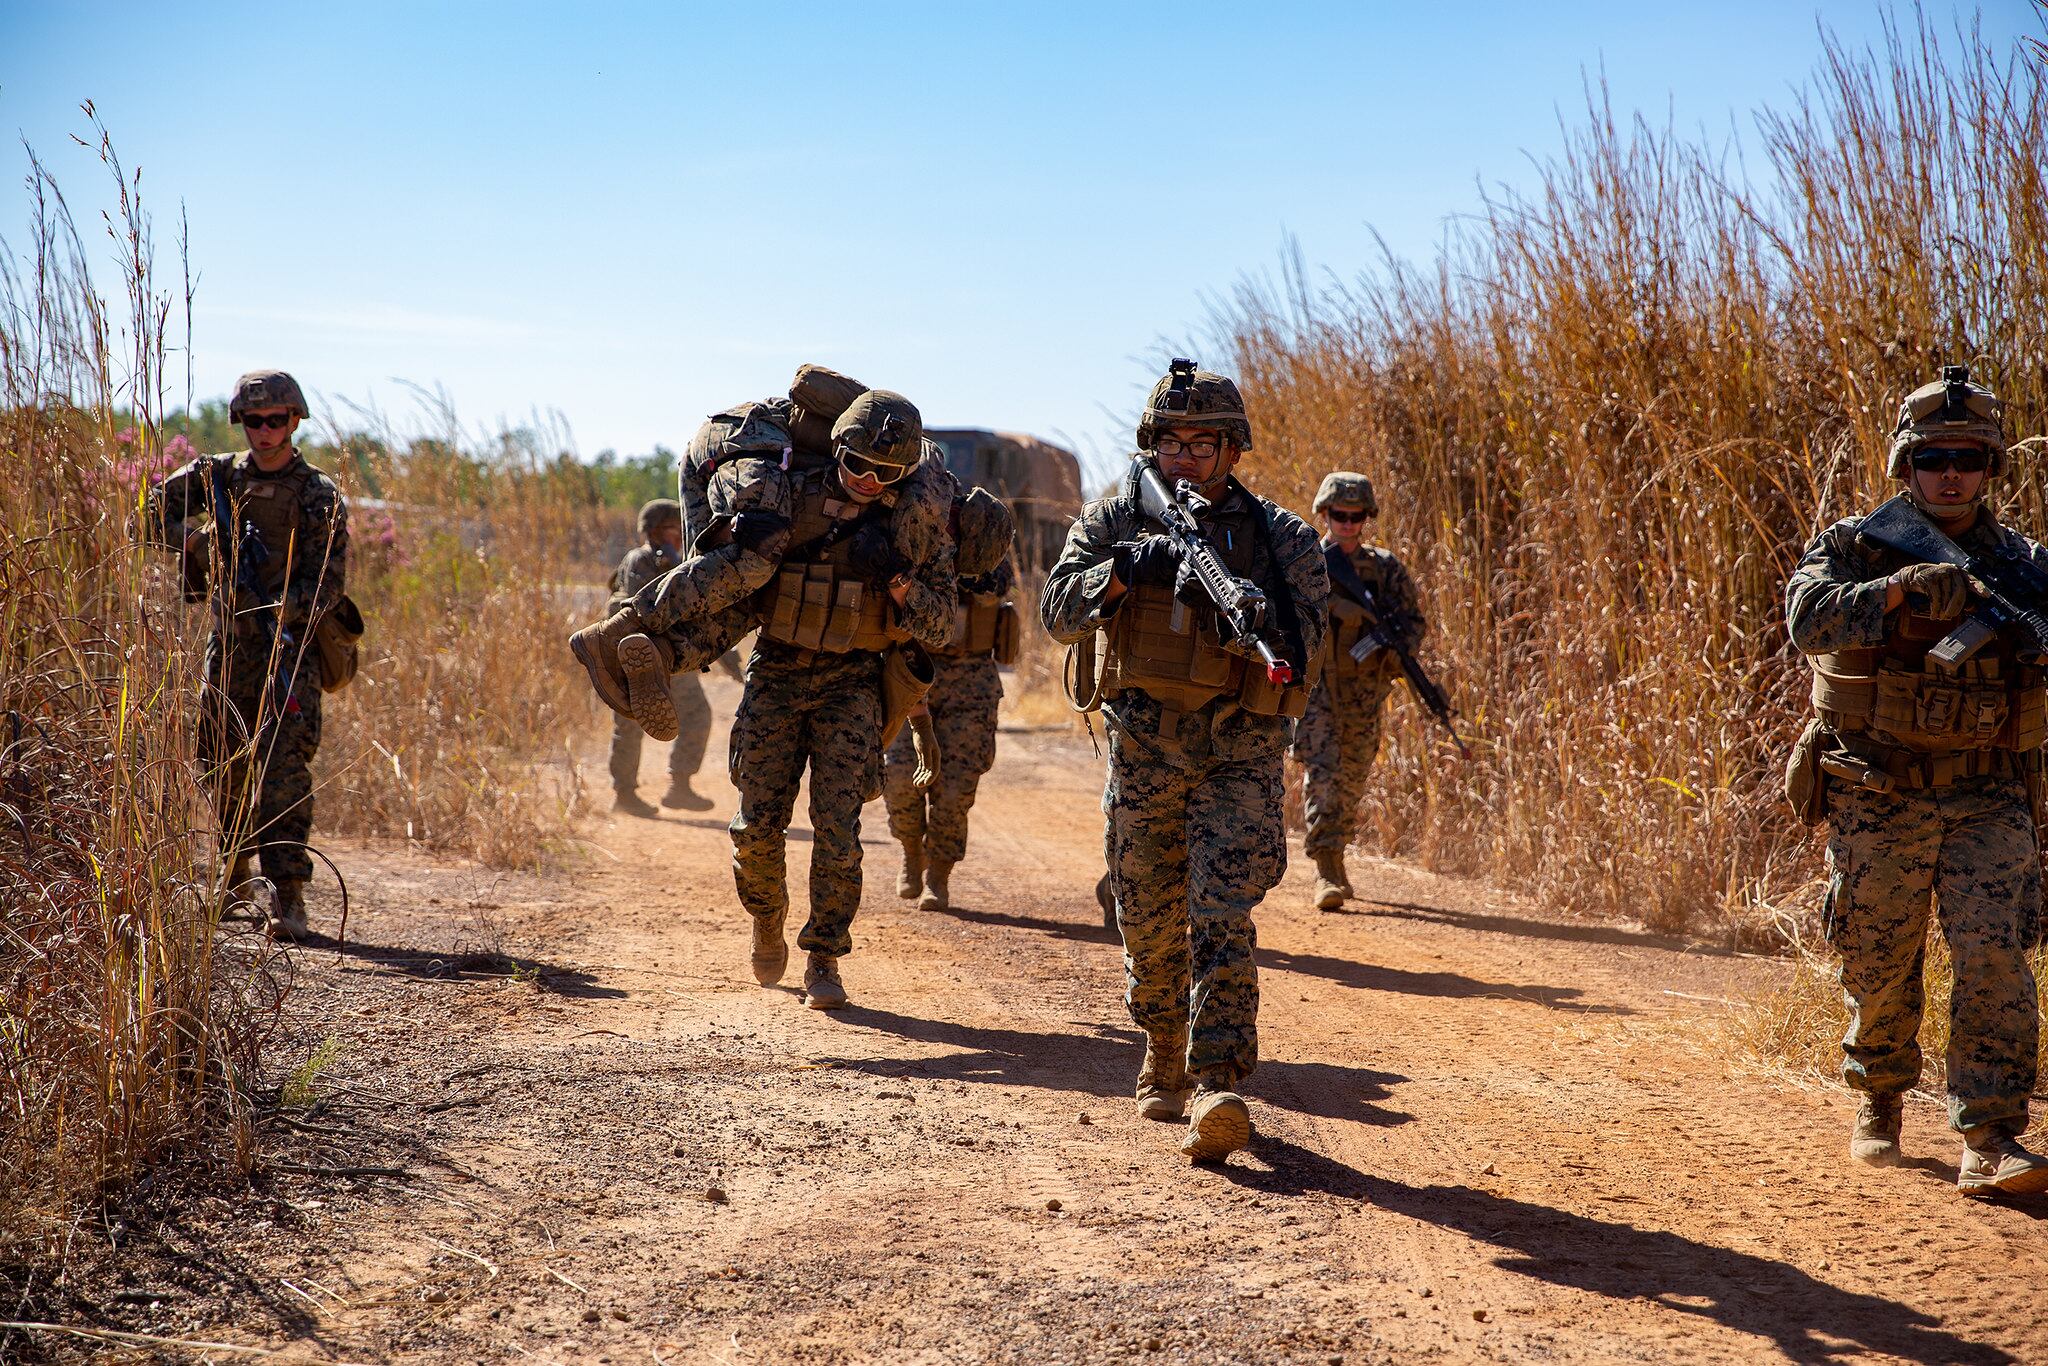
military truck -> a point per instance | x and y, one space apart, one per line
1040 481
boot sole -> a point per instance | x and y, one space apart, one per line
600 681
1223 1129
647 694
2026 1183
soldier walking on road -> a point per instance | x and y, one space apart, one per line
1927 768
274 557
1338 737
661 527
958 723
1196 742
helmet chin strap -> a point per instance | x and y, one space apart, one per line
1942 512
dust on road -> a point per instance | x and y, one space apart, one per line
1481 1133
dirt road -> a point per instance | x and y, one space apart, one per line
1481 1134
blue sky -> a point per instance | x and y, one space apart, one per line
636 214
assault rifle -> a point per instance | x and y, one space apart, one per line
1379 636
2010 589
1240 605
246 556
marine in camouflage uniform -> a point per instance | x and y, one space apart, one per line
260 710
1338 737
838 564
661 526
1923 774
958 723
1194 838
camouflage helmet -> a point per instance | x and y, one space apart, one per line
983 531
1348 490
659 513
881 427
1188 397
266 389
1950 411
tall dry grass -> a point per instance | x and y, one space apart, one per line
129 1026
466 727
1607 419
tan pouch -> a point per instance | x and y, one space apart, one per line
907 674
337 639
1009 634
1806 784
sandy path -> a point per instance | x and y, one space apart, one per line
1481 1134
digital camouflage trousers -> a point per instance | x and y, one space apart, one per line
1893 859
965 697
799 710
1335 742
258 750
685 755
1194 843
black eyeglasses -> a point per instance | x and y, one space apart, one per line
274 421
1201 448
1935 459
1345 517
866 467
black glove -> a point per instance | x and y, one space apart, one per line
871 556
753 529
1153 560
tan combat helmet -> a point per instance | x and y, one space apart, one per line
266 389
1348 490
1949 412
880 435
1188 397
658 513
983 532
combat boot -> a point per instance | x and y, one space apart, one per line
682 797
1107 900
1875 1139
596 648
1332 886
648 664
910 881
1163 1081
937 896
771 951
1219 1123
286 918
1995 1163
822 988
627 802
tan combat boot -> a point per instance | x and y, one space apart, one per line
770 954
822 988
1163 1080
1875 1139
1995 1163
596 648
286 919
910 881
683 797
937 895
1219 1123
648 664
1332 886
1107 900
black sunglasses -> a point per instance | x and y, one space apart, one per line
274 421
1937 459
1345 517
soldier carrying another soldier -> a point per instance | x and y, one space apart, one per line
1197 706
273 559
1925 760
1338 736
